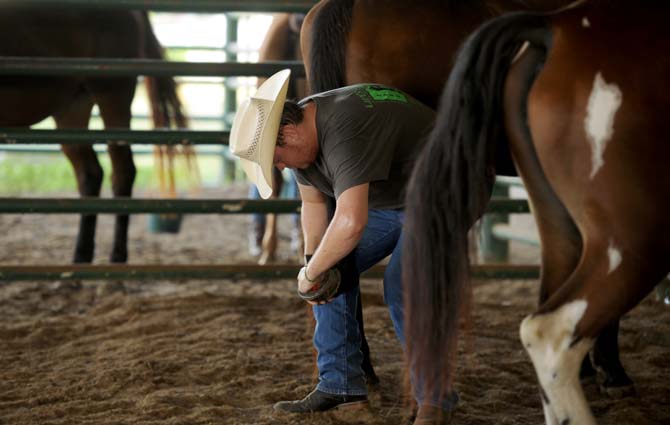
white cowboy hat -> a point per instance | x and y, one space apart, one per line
253 136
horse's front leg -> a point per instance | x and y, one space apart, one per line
123 177
114 97
87 171
269 244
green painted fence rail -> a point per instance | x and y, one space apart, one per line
145 206
217 271
13 65
183 206
14 136
205 6
507 181
137 149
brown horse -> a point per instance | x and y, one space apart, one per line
26 100
587 130
411 46
281 42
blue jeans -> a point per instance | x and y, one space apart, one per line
336 337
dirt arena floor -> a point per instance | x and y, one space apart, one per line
222 352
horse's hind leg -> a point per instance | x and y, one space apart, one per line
114 97
556 354
605 357
606 284
561 241
87 170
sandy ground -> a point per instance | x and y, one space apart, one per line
222 352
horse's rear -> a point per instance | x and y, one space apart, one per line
597 124
603 115
83 32
587 134
55 32
397 43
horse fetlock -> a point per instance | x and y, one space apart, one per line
615 382
83 254
119 255
557 354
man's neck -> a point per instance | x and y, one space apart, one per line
308 129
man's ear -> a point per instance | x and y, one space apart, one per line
280 137
286 130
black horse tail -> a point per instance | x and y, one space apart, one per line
166 112
450 189
329 34
166 107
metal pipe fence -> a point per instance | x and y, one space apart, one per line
125 67
183 206
13 65
15 136
218 271
198 6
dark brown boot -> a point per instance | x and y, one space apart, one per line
318 401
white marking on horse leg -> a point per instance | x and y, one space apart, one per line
604 102
556 356
549 416
614 256
585 22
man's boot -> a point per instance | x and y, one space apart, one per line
318 401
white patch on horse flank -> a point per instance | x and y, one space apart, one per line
604 102
585 22
614 256
550 342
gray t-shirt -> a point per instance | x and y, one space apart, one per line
367 134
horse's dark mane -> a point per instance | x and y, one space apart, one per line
328 48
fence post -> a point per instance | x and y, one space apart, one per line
492 248
230 97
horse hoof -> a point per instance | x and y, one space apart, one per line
618 391
588 380
80 258
266 259
118 257
431 415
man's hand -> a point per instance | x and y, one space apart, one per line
318 290
305 283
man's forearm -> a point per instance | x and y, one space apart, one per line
341 237
314 218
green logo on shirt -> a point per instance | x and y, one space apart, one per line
371 94
381 94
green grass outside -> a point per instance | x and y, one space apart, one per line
35 174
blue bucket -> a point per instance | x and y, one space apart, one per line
165 223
